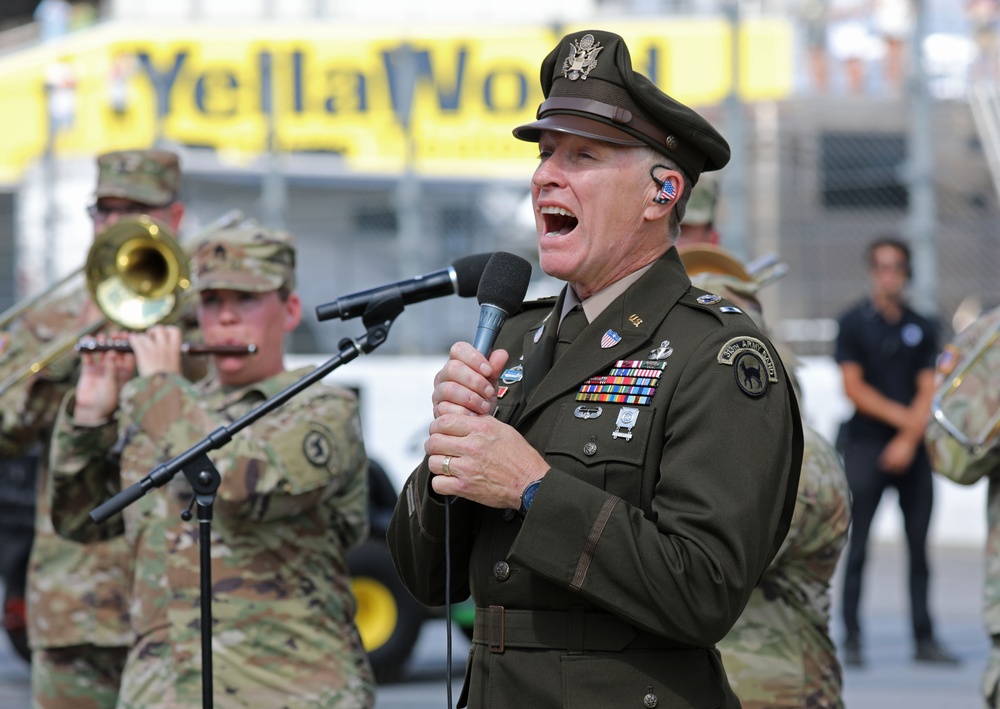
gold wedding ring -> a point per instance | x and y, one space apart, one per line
446 465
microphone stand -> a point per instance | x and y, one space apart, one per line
204 477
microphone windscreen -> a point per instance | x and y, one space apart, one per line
505 282
469 272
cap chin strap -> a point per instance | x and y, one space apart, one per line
615 114
618 116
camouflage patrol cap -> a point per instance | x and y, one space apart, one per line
701 204
147 176
591 90
248 257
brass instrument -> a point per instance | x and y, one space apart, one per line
137 274
708 258
21 307
90 344
979 370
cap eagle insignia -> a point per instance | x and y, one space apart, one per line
582 58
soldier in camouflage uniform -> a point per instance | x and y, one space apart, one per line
77 615
970 408
779 655
291 502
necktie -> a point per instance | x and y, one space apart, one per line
572 325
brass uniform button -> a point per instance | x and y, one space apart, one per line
501 570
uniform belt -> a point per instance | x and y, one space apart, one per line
574 631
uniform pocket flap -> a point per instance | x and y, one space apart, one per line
604 433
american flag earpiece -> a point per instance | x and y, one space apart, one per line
667 190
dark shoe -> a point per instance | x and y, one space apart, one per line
931 651
852 653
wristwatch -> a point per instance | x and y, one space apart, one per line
527 496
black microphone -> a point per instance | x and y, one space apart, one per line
501 291
461 277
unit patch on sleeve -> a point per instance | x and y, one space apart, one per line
317 447
630 381
751 362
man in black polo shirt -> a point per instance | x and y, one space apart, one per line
887 354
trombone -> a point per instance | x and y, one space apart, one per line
137 274
974 429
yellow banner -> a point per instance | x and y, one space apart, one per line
356 92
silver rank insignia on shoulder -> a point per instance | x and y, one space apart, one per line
538 334
582 58
626 421
729 309
708 299
587 412
661 352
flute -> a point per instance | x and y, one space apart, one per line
90 344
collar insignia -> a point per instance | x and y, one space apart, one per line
610 339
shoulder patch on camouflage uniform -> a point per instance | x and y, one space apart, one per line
318 446
752 364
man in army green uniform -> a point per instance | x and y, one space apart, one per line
293 497
613 515
961 448
77 613
779 655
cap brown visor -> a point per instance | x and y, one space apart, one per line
576 125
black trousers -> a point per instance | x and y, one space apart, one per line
916 497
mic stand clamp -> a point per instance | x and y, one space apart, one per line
205 479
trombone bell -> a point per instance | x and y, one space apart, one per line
137 273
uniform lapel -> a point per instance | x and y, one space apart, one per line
538 353
635 316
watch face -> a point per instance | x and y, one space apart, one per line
528 495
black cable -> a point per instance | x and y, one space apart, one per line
447 593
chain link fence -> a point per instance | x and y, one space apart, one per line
843 174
